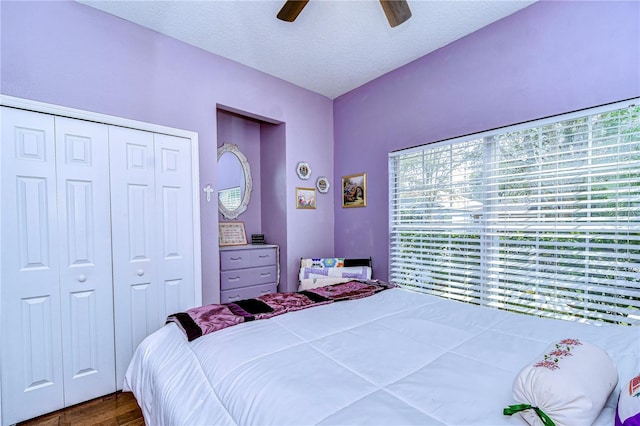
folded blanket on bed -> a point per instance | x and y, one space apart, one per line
202 320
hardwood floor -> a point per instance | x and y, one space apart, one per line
117 409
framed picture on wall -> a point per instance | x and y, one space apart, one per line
305 198
231 234
354 190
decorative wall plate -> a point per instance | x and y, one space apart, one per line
323 184
303 170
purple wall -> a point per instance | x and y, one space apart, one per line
69 54
274 207
550 58
245 133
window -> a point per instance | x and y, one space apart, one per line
231 197
541 218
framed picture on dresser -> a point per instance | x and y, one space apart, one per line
231 234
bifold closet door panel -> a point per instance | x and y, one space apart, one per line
152 234
32 379
84 222
97 249
134 241
175 224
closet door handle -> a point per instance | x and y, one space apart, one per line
82 278
140 272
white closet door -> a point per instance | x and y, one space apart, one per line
84 221
134 240
31 332
175 224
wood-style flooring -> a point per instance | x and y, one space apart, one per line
117 409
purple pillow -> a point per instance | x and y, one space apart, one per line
628 408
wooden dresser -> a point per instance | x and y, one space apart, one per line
248 271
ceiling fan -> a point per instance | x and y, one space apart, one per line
397 11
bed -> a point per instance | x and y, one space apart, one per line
395 357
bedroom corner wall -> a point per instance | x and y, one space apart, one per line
549 58
70 54
274 207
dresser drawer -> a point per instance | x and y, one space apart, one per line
235 259
263 257
236 294
249 258
247 277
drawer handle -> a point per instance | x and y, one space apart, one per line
265 291
263 256
233 278
235 258
265 274
232 298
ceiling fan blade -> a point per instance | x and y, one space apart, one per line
291 10
397 11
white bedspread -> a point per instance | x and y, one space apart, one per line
396 358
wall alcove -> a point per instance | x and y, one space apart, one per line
262 141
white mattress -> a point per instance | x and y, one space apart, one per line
397 357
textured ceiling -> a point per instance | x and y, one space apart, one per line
333 47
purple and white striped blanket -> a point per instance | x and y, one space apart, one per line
203 320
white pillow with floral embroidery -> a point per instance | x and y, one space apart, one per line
568 384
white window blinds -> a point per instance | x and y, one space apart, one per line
542 218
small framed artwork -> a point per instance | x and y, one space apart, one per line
323 184
354 190
231 234
305 198
303 170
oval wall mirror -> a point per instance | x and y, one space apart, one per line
234 181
